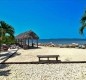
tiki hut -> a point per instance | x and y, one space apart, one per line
27 36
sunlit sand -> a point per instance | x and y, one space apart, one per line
66 54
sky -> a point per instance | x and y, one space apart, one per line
47 18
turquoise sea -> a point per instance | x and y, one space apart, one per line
63 41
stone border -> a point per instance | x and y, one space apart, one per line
44 62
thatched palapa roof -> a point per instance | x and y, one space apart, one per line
28 34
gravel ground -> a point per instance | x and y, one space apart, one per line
72 71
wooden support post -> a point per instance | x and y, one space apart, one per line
25 41
39 59
28 42
56 58
32 42
48 58
37 43
18 41
21 42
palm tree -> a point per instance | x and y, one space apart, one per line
6 29
83 22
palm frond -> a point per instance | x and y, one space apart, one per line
6 29
83 22
82 29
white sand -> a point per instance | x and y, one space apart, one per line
66 54
69 71
75 71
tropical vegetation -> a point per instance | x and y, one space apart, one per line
6 33
83 22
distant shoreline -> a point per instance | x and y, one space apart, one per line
63 41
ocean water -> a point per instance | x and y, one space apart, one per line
63 41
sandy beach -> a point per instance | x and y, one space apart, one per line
66 54
42 40
43 71
59 71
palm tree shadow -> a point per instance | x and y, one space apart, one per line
3 56
2 66
16 54
3 71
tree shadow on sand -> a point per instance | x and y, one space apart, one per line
2 66
4 73
3 70
8 55
16 54
3 56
